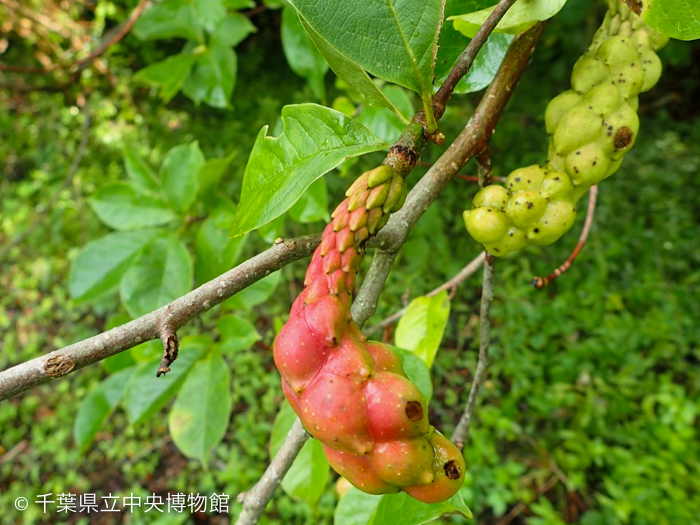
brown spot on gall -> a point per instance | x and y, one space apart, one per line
414 411
452 470
623 138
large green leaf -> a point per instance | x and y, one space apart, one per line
395 40
122 206
101 264
519 17
179 174
145 393
315 140
161 274
212 77
307 477
169 19
302 55
97 406
354 75
421 326
236 333
215 251
168 75
675 18
200 414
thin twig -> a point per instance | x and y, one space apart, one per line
464 274
466 59
72 170
541 282
461 432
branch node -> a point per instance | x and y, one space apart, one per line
58 366
170 349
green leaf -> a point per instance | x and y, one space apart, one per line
139 172
209 13
168 75
145 393
212 77
307 477
356 508
395 41
215 251
314 141
233 29
200 415
210 174
179 174
421 326
313 204
256 293
169 19
485 65
675 18
302 55
120 205
161 274
96 408
401 509
417 371
521 16
351 73
236 333
101 264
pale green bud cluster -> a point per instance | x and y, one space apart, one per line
591 127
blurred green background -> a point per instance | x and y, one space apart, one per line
589 413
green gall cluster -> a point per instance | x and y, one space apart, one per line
591 127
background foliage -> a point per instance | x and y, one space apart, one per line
589 413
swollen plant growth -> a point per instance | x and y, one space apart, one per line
353 394
591 126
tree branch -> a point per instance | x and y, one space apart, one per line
464 274
173 315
